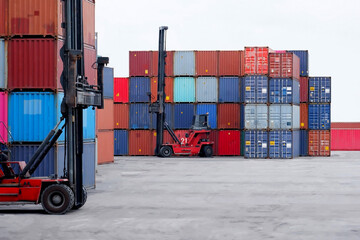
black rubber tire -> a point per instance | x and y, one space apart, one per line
207 151
57 199
165 151
85 198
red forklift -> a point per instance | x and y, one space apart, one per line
195 143
58 194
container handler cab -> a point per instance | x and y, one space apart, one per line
58 194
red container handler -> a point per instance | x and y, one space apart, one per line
206 63
121 116
229 143
140 63
169 89
319 143
304 89
140 143
121 90
304 114
256 60
169 66
284 65
228 116
231 63
345 136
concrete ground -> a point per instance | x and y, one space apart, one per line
218 198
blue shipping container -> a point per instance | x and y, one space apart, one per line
284 116
304 61
319 116
284 144
139 87
320 89
3 64
184 63
304 143
108 82
169 116
184 89
183 115
254 116
139 116
229 89
121 146
254 89
209 109
256 144
284 90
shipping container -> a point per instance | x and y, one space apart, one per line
89 22
214 137
319 89
105 117
207 89
231 63
319 143
284 116
346 125
304 151
304 61
3 117
121 90
345 139
121 146
139 116
121 116
257 60
319 116
304 89
206 63
254 89
284 90
184 89
229 89
4 17
90 57
105 146
228 116
140 143
169 63
284 65
3 63
229 143
209 109
256 144
169 116
108 82
184 63
169 89
183 116
284 144
139 87
304 113
254 116
140 63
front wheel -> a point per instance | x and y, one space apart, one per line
57 199
165 151
207 151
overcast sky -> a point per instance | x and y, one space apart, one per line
329 29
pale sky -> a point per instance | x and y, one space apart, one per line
329 29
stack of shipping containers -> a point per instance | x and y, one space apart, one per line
30 71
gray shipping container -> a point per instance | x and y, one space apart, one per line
284 116
184 63
3 64
207 89
255 116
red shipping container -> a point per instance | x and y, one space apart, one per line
140 63
169 66
319 143
89 22
121 90
121 116
256 60
169 89
228 116
345 136
341 125
229 143
105 146
4 17
304 110
206 63
284 65
230 63
214 137
304 89
105 117
140 143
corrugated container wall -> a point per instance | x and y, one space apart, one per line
228 116
254 89
304 151
319 89
206 63
139 87
345 139
139 116
108 82
304 61
3 64
319 116
140 63
304 89
169 116
121 146
89 22
319 143
284 65
209 109
105 117
105 146
184 89
284 90
169 89
256 144
169 61
206 89
121 90
214 137
140 143
184 63
304 113
183 115
284 116
284 144
229 143
4 17
3 117
257 60
121 116
254 116
231 63
229 89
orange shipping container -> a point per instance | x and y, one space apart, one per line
229 116
169 89
105 146
3 17
319 143
169 66
231 63
304 108
140 143
121 116
206 63
89 22
105 117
